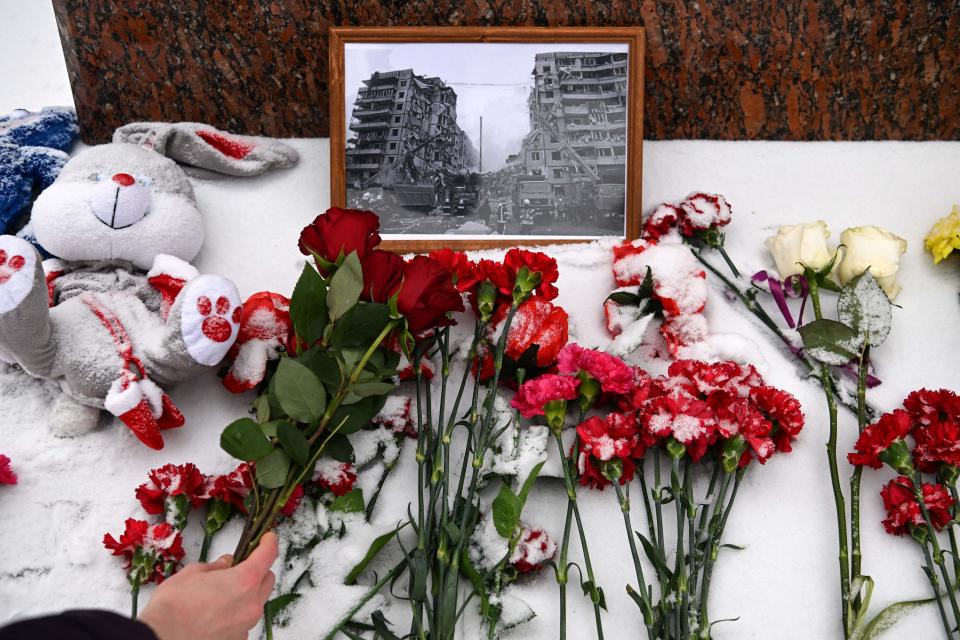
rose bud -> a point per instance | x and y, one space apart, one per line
798 245
875 249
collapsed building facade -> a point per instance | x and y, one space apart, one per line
404 131
578 124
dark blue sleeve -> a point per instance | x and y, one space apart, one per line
79 625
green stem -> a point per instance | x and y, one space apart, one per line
948 582
838 499
710 554
934 584
397 570
205 546
726 258
856 549
134 596
562 575
642 588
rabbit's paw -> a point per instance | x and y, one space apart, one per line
209 318
17 271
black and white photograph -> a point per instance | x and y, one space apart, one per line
488 139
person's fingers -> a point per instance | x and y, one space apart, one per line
262 558
222 562
266 586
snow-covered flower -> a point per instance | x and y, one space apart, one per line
338 477
796 246
7 476
871 248
173 490
608 447
533 550
293 501
150 552
232 488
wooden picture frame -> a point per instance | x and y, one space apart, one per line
507 197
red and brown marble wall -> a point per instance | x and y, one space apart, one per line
724 69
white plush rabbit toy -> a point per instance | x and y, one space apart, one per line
121 314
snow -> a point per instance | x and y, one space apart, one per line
783 585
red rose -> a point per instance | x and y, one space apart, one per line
7 476
878 437
339 232
293 501
534 395
337 477
427 294
537 322
535 262
382 275
460 267
903 510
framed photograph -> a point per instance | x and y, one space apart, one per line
478 137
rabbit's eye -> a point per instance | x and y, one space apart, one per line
145 180
97 177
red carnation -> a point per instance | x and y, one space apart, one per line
152 551
234 487
534 549
928 407
707 378
684 417
338 477
382 275
936 444
427 294
613 438
159 494
293 501
783 410
702 211
878 437
460 267
614 375
643 388
7 476
534 395
737 417
903 510
535 262
339 232
498 276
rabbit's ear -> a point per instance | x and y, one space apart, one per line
203 146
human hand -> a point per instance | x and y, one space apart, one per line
214 601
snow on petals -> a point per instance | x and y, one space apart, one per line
534 549
338 477
152 551
169 481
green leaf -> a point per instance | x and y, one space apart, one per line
299 391
244 440
506 511
864 307
653 554
293 442
345 286
357 416
262 406
348 503
830 342
360 325
365 389
375 547
324 366
272 470
625 298
528 484
270 428
889 617
339 448
308 306
278 604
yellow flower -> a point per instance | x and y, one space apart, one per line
945 236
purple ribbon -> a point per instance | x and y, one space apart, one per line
776 290
851 370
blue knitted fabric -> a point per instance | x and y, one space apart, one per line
33 149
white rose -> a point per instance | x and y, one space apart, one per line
799 245
874 248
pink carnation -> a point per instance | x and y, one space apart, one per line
613 373
7 476
534 395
